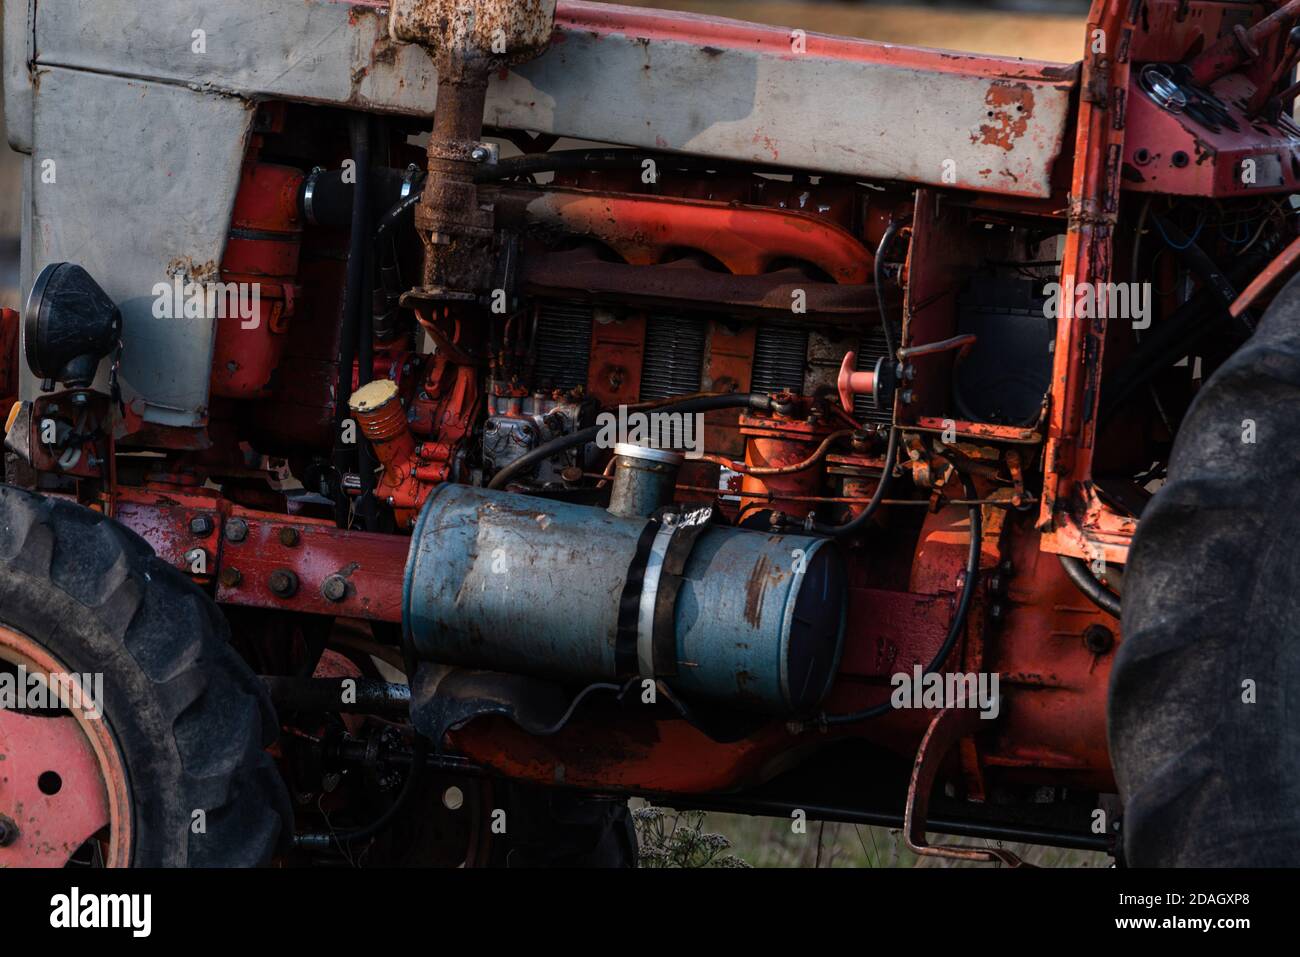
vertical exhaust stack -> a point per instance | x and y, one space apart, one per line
468 39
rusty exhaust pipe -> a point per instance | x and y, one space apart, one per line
467 39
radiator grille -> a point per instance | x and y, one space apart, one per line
780 359
674 356
563 344
871 348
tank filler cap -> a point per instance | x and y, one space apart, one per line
666 456
373 395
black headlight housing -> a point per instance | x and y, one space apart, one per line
70 324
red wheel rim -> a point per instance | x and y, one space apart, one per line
62 779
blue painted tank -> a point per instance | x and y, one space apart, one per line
527 585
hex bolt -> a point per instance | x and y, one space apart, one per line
479 153
8 831
1098 639
230 576
236 530
288 536
283 582
201 526
334 588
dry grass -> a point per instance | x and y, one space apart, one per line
771 842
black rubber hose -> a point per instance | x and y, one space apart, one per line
855 524
581 160
736 400
1093 590
332 198
413 777
878 272
955 627
353 300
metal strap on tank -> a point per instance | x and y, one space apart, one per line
662 629
629 604
647 639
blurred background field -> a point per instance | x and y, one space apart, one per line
694 839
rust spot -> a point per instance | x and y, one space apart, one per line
754 591
1010 105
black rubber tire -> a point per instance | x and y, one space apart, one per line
551 828
190 719
1212 603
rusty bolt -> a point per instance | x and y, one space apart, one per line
8 831
230 576
288 536
1098 639
201 525
334 588
236 530
283 582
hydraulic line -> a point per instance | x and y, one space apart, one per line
955 627
764 470
1093 590
735 400
859 521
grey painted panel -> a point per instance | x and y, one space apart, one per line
18 16
859 117
144 179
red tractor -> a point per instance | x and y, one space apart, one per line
436 422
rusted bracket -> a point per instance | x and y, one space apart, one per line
948 728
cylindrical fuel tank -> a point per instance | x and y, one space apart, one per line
533 586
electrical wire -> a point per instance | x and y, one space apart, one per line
955 628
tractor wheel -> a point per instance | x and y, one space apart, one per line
155 758
1204 714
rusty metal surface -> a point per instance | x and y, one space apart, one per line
582 274
494 31
948 727
627 76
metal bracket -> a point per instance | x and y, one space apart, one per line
948 728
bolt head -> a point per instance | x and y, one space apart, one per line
201 525
236 530
283 582
334 588
230 576
289 536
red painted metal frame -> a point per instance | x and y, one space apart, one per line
1094 208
